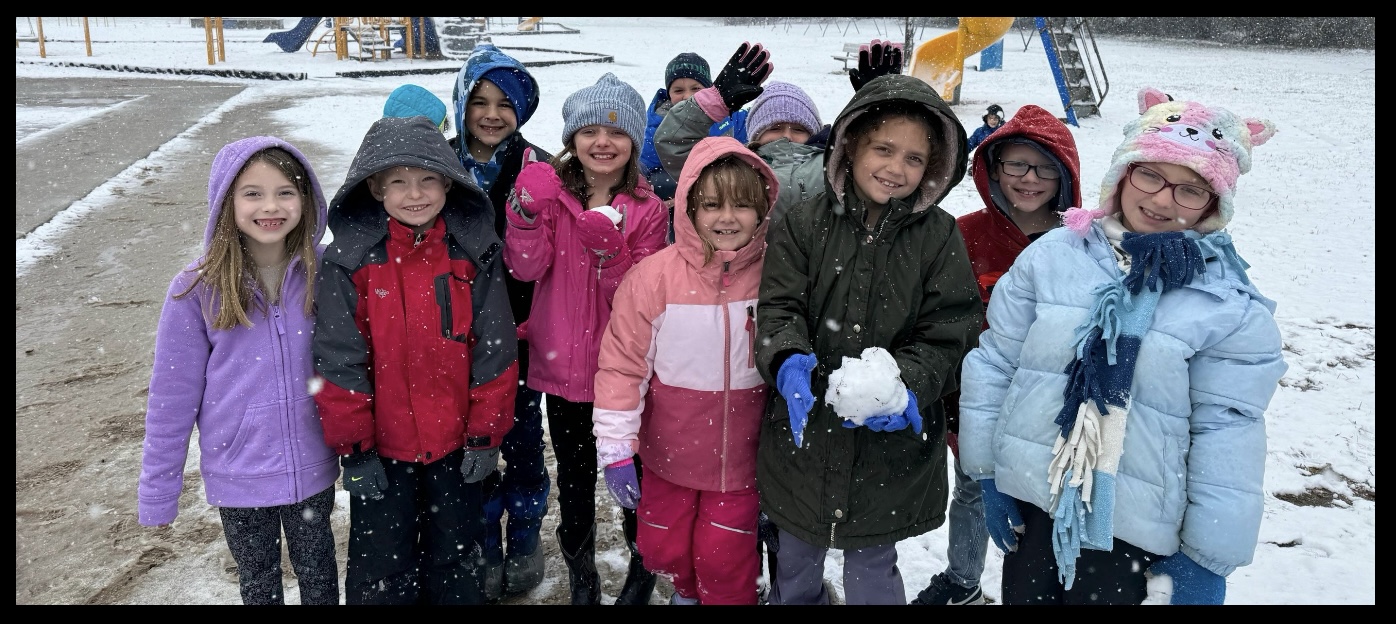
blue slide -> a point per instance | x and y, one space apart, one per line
292 40
426 30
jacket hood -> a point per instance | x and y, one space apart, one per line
506 72
685 234
401 142
1033 123
230 161
948 166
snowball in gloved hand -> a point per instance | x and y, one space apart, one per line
868 386
611 213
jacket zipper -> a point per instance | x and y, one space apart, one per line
751 336
443 302
726 379
287 416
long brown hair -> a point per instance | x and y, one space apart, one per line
228 268
733 180
574 177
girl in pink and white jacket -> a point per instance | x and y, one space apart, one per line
678 382
577 224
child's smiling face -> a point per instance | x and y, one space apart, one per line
726 221
266 208
603 150
891 159
412 195
1148 213
489 115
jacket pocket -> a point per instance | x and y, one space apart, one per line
453 299
259 447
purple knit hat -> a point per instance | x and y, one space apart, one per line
782 102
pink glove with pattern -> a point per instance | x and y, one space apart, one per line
536 194
596 232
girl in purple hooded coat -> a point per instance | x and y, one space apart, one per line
233 359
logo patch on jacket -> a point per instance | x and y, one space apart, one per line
381 292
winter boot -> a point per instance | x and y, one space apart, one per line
523 563
583 579
639 582
492 543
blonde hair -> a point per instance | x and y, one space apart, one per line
733 180
227 267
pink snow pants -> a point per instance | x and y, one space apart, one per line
704 541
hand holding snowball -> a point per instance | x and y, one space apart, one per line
597 229
869 391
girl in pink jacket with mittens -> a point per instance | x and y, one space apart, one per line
678 383
577 224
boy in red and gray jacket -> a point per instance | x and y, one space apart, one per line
416 345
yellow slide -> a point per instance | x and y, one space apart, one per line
529 24
941 61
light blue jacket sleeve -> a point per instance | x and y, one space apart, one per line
989 368
1232 383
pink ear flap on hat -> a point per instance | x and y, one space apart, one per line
1261 130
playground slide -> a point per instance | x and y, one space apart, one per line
529 24
940 61
292 40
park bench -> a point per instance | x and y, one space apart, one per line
849 55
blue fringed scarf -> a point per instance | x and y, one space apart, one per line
1097 400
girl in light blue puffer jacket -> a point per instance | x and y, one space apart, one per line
1114 409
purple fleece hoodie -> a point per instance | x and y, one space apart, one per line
245 389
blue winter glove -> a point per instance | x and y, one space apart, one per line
1001 517
792 381
364 475
623 483
1192 583
894 422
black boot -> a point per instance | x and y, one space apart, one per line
581 570
639 582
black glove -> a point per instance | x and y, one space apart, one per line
740 80
364 475
479 463
878 58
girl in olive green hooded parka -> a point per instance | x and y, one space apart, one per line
871 261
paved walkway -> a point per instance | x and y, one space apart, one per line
67 163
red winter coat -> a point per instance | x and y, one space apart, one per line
993 240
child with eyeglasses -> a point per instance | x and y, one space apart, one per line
1027 173
1114 409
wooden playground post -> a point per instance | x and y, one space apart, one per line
408 38
218 25
387 42
40 21
341 39
208 38
86 36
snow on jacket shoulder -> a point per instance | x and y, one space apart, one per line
677 368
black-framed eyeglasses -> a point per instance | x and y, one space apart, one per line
1018 169
1185 195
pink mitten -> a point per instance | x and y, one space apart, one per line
536 192
596 232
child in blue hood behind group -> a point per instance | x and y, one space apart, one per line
493 98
